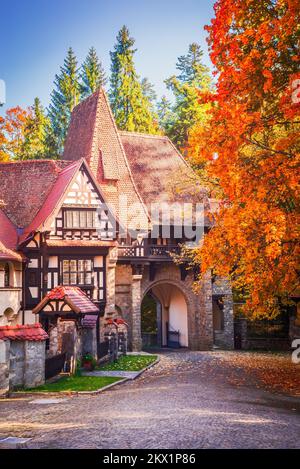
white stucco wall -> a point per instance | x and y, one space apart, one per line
10 297
178 316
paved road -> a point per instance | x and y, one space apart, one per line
186 401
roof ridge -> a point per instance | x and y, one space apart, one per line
142 134
70 166
89 98
42 160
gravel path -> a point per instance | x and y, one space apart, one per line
186 401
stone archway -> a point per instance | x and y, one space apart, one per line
170 309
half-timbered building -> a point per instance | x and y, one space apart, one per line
86 222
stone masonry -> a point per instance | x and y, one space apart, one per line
131 288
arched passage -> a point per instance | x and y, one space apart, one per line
164 317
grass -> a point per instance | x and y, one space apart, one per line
130 363
75 383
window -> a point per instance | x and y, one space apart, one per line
77 272
80 219
6 275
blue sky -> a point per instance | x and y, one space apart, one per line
35 35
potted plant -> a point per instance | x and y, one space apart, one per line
88 362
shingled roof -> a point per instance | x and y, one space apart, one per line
73 296
145 168
31 191
31 332
93 135
160 171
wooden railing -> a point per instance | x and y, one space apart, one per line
148 251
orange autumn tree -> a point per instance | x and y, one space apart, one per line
251 147
12 133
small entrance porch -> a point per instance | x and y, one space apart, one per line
71 320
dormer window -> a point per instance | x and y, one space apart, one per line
80 219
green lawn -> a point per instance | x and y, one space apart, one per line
130 363
76 383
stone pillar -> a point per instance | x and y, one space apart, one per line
201 327
221 288
34 367
228 337
89 341
4 367
53 341
136 311
111 262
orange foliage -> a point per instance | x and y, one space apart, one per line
254 128
12 133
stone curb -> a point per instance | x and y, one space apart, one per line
74 393
30 395
147 368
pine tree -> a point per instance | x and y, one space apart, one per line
193 77
64 98
149 91
131 108
92 75
35 144
166 116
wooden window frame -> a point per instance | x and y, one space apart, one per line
76 271
82 215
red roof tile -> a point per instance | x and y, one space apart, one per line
25 186
8 240
90 321
78 301
31 332
57 190
159 170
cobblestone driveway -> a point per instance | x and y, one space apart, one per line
186 401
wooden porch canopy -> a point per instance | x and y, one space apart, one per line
68 301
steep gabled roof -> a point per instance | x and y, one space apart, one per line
51 202
31 192
93 135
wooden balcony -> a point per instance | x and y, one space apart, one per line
148 252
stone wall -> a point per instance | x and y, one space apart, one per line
17 364
89 341
224 338
199 305
124 296
131 286
4 367
22 364
244 342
